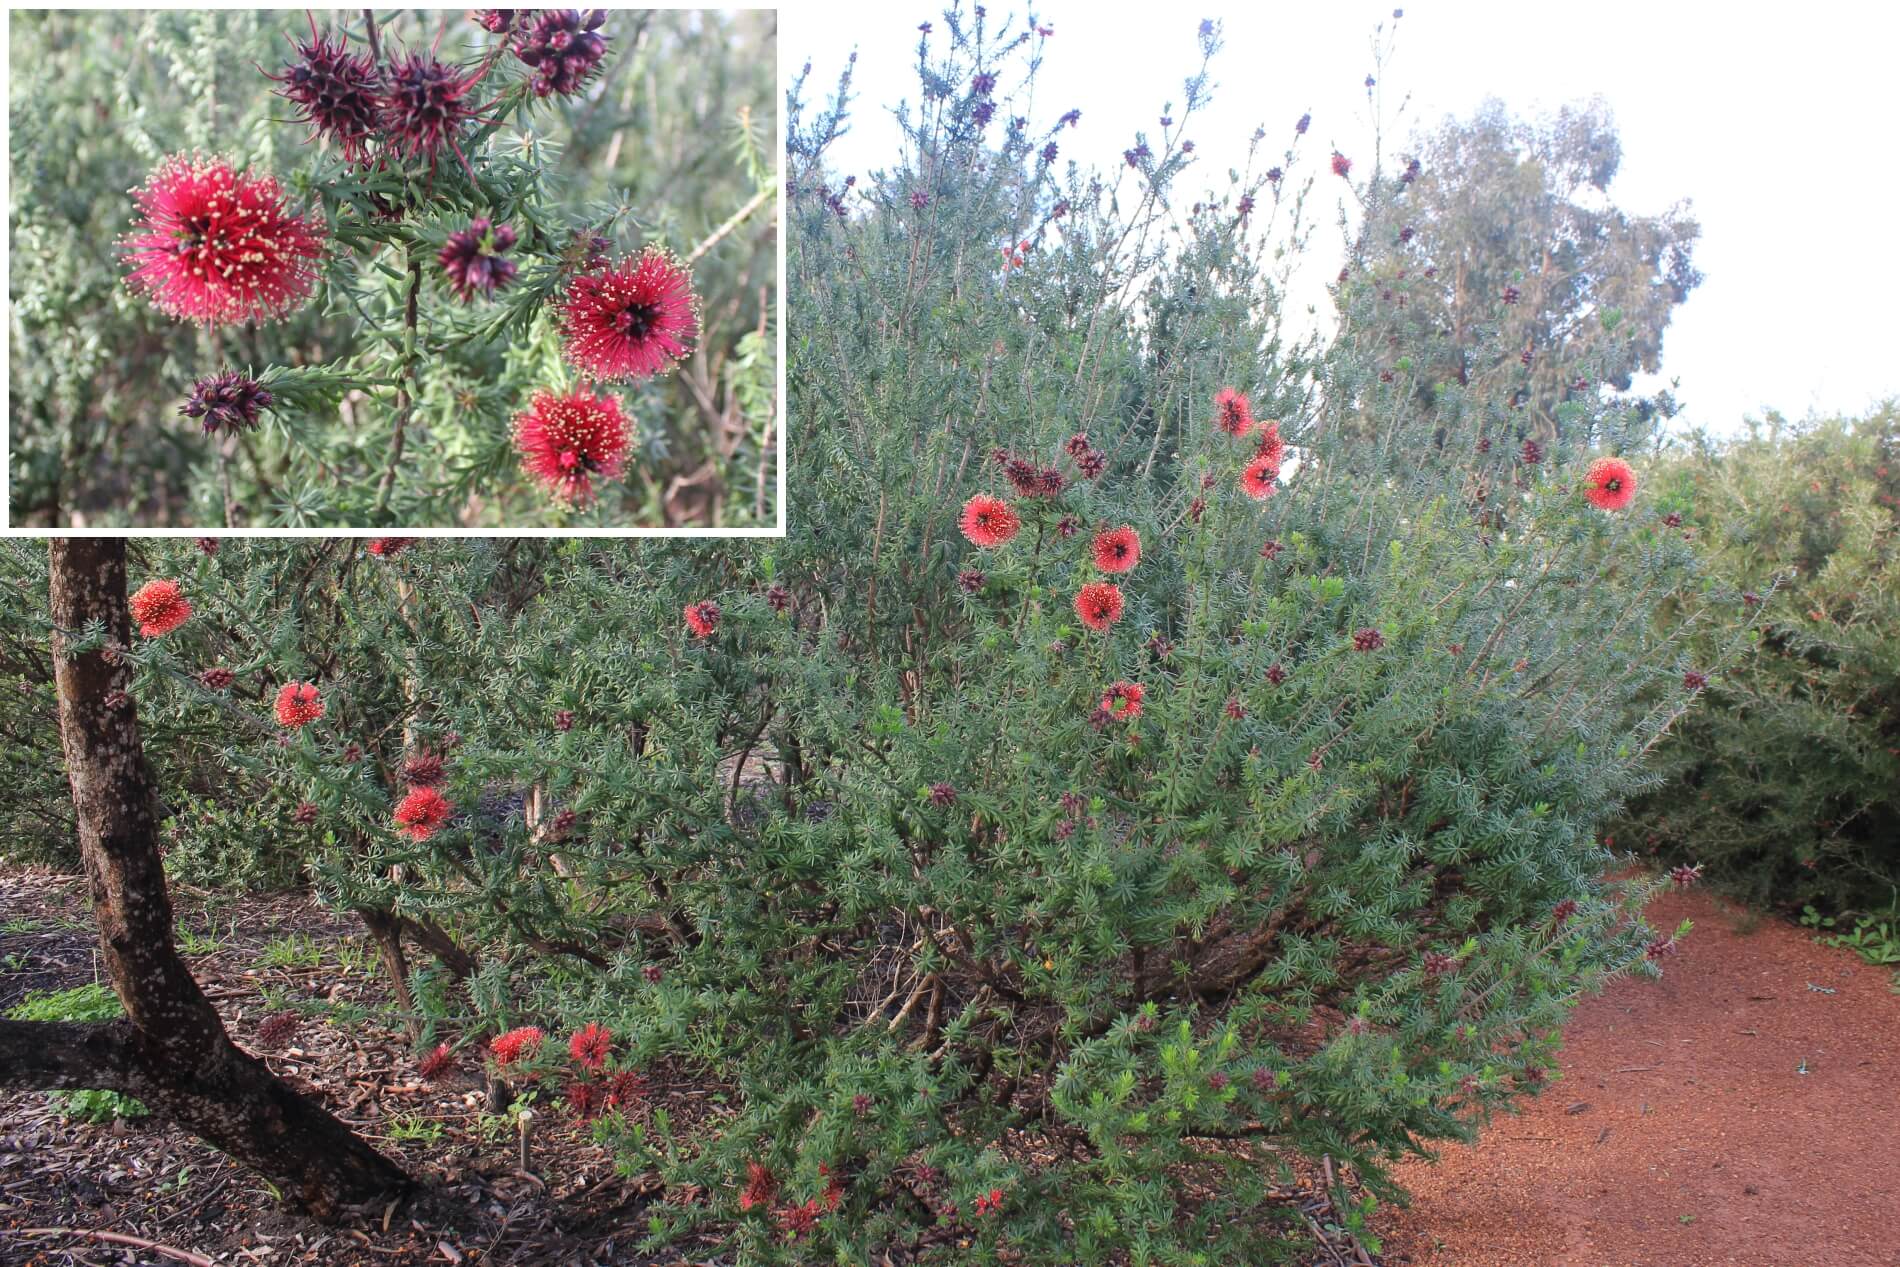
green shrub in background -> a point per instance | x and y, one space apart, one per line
1786 786
93 1002
378 423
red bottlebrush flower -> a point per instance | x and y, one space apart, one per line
760 1186
1437 963
971 581
1233 412
1561 913
562 823
942 795
1609 484
990 1202
1659 947
208 545
1367 639
1262 1078
217 679
564 47
425 107
423 769
1068 526
1531 454
389 547
1235 709
1276 674
565 441
420 812
1751 599
1218 1080
778 598
472 258
1341 164
1508 294
1685 875
339 94
988 521
797 1220
702 617
1092 464
516 1045
1271 551
1694 680
228 403
652 973
1078 444
217 246
276 1031
860 1104
1257 478
564 720
299 704
1099 604
1272 444
1118 549
590 1045
1122 700
438 1062
584 1100
159 607
304 815
1672 520
625 1088
633 318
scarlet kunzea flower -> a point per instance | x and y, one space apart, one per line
438 1062
472 258
1118 549
1122 700
495 21
564 47
336 92
1367 639
1099 604
1609 484
388 547
565 441
760 1186
988 521
299 704
159 607
425 107
1233 411
516 1044
1685 875
1258 476
219 246
424 769
1272 444
422 811
1341 164
702 618
590 1044
633 318
229 402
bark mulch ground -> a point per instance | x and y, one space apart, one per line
1743 1111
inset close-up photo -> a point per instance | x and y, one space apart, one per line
394 268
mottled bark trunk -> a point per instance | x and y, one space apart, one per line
171 1050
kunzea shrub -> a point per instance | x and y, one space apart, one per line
421 311
1786 785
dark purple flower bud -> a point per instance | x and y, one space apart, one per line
563 48
472 258
227 402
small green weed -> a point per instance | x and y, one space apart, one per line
92 1002
294 951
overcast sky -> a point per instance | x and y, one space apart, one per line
1773 121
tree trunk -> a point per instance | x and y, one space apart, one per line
171 1049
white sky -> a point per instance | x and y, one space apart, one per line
1775 122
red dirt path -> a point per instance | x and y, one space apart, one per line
1682 1133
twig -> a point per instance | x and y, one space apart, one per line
1636 1068
120 1238
375 45
733 221
404 400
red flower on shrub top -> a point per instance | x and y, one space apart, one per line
1341 164
229 403
1367 640
425 107
159 607
1562 912
1122 700
423 769
1235 709
760 1186
389 547
1118 549
299 704
1437 963
516 1044
989 1202
1276 674
565 441
1233 411
564 720
1694 680
217 246
584 1100
702 617
336 92
988 521
217 679
438 1062
422 811
633 318
1531 454
1099 604
1272 444
1685 875
590 1044
1610 484
1257 478
625 1087
305 814
798 1219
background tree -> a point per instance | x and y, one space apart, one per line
171 1050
